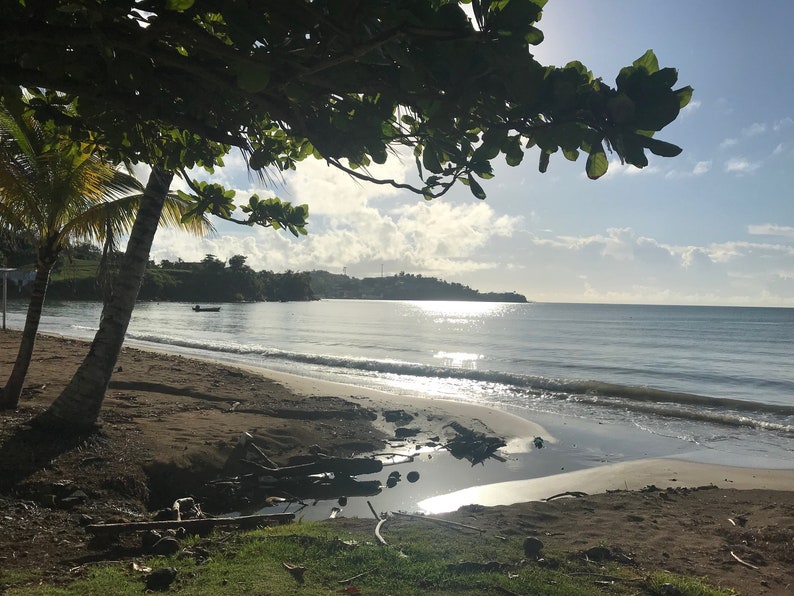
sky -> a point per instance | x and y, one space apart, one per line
713 226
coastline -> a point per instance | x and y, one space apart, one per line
577 456
657 461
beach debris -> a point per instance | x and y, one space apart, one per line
538 442
371 508
160 579
355 577
598 554
192 526
438 520
296 571
412 476
567 493
260 481
532 547
378 527
745 563
135 566
472 445
167 545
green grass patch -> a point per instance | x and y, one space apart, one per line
421 559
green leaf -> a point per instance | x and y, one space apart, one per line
571 154
543 164
430 160
684 95
648 62
534 36
475 187
180 5
597 163
660 148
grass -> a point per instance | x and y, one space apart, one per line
423 560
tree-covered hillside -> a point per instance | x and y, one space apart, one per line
404 286
79 275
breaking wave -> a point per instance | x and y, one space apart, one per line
524 390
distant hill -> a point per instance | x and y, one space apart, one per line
211 280
404 286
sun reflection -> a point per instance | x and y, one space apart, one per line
460 309
458 359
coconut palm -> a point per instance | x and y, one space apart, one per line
56 195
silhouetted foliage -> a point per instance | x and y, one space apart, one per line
401 287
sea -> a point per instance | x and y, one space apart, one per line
719 381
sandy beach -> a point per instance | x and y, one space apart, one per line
171 423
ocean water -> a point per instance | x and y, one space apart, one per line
712 378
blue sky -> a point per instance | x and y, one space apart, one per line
714 225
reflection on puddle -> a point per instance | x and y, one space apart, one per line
438 474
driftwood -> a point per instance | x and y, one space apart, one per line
191 525
474 446
375 513
377 531
567 493
437 520
333 465
745 563
308 487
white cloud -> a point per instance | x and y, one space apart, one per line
783 123
623 266
728 143
739 165
358 226
755 129
701 167
771 230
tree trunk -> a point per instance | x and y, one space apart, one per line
77 407
9 397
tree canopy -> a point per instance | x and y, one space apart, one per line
178 82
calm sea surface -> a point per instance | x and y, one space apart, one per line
718 377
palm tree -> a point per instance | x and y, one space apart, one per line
56 195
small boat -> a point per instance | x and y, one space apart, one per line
198 308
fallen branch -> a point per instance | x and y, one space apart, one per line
567 493
438 521
745 563
335 465
377 531
262 454
375 513
191 525
355 577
